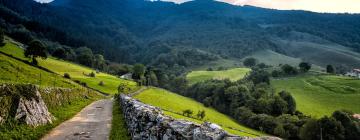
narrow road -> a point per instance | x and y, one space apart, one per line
91 123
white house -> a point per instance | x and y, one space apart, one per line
354 73
126 76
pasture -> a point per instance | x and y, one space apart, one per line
77 72
319 95
232 74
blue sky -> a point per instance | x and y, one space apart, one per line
330 6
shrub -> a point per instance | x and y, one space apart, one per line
187 112
66 75
101 83
92 74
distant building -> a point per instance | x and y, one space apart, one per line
126 76
354 73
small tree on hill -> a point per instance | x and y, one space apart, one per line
59 53
201 114
2 43
187 112
35 49
330 69
249 62
304 67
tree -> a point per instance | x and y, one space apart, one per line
290 70
304 66
249 62
85 56
153 80
187 112
279 106
310 130
35 49
2 43
331 129
59 53
138 71
291 104
330 69
99 62
201 114
123 88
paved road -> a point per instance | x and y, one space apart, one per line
92 123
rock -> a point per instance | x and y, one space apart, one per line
33 111
147 122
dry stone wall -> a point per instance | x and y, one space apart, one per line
147 122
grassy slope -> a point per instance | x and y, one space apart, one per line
232 74
76 72
176 103
321 95
118 125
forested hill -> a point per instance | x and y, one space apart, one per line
152 32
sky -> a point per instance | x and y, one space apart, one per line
328 6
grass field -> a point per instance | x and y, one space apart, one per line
232 74
175 103
14 71
118 125
321 95
76 72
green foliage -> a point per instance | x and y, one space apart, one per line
67 76
2 42
291 104
310 130
289 70
101 83
92 74
304 66
259 76
250 62
201 114
85 56
330 69
35 49
59 53
138 71
187 112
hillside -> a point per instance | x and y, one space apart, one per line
323 94
232 74
174 104
144 31
76 72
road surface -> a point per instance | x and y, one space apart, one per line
91 123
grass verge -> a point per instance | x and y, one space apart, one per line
118 125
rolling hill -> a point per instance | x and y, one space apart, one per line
76 71
319 95
173 105
232 74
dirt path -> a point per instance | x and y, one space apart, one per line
91 123
143 88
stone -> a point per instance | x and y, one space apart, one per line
33 111
148 122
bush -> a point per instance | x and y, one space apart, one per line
67 76
187 112
92 74
101 83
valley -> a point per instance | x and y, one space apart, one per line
199 69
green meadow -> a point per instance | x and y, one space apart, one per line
173 105
77 72
232 74
319 95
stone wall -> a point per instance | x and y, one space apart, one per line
146 122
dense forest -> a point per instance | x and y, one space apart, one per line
129 31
